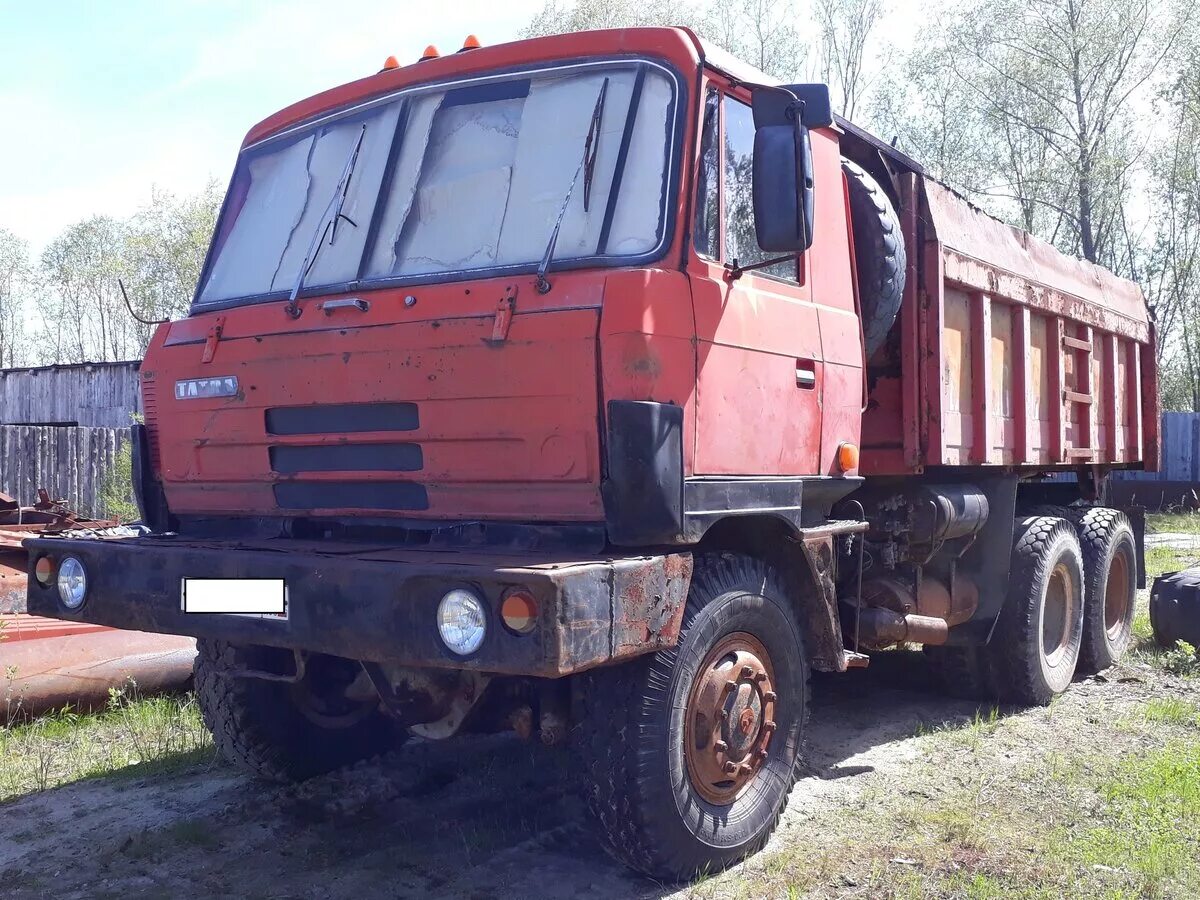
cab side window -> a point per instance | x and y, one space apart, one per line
706 236
741 245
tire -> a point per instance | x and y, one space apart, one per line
656 810
1110 587
1110 582
961 672
879 255
259 727
1035 647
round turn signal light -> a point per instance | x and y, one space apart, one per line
43 571
519 611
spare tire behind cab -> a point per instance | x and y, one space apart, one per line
879 255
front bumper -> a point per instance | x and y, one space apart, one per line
375 603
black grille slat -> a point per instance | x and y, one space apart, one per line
347 458
335 418
351 495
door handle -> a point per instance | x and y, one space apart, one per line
806 374
345 303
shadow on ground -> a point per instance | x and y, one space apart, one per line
478 817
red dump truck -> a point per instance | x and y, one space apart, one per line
598 387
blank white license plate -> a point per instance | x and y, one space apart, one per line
264 598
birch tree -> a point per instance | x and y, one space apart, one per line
16 278
845 28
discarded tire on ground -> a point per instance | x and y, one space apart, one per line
691 753
266 728
1035 647
1175 608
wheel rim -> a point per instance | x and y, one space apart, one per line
1116 595
729 719
1056 614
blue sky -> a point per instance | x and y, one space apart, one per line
103 100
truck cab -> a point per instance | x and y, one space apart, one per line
584 385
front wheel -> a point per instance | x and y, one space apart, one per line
692 751
285 732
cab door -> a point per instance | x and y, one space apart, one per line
759 368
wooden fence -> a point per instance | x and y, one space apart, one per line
73 464
90 394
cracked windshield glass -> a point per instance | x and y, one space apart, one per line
470 177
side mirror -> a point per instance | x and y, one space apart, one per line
783 167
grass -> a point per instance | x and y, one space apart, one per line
1089 826
1172 711
1180 522
133 736
1150 823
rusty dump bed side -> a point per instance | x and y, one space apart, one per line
1011 353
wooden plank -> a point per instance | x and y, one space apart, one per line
1134 405
1112 431
1084 383
981 378
1077 343
1023 428
1054 372
1077 397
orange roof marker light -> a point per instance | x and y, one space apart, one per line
431 52
471 43
390 63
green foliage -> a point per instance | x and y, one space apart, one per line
116 493
149 734
1151 820
157 253
1182 659
1172 711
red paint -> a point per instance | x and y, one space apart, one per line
513 385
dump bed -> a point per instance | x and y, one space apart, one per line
1011 353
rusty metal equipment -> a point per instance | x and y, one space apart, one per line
49 662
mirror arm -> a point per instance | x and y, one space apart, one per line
735 271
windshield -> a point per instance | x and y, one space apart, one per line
468 177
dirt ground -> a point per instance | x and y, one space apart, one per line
481 817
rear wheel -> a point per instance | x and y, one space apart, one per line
280 731
1035 647
1110 569
692 751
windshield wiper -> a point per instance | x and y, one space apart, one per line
587 165
328 224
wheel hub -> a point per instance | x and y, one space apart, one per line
730 718
1117 591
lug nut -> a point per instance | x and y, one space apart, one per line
730 768
720 746
744 769
760 677
768 696
747 671
768 725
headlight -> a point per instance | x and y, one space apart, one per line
72 583
462 621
